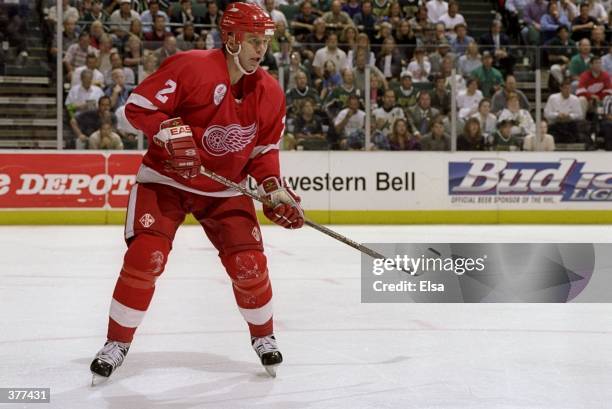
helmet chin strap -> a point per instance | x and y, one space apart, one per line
237 60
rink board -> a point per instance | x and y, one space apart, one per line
42 187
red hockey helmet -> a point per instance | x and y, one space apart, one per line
240 18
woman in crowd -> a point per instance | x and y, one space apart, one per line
522 122
471 139
401 139
485 118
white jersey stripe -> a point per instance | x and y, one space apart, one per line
261 149
131 210
257 316
140 101
125 316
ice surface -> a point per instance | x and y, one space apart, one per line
193 350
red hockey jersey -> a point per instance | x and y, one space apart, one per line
589 85
235 138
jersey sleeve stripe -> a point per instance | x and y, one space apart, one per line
141 101
261 149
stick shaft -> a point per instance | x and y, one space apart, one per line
325 230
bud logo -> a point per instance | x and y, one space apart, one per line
499 177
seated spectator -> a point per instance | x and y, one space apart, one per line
563 111
150 64
69 13
314 40
437 36
452 19
352 7
90 64
158 34
489 77
514 14
337 98
96 31
295 65
405 39
308 130
168 49
599 45
389 59
461 41
212 18
503 139
419 68
546 141
146 17
422 114
435 10
401 139
522 122
359 72
377 90
532 15
388 113
551 21
437 139
96 13
335 18
296 96
471 139
365 21
447 73
105 137
487 121
282 55
606 61
186 40
469 61
303 23
441 96
606 124
598 11
405 93
133 55
135 29
213 39
593 86
348 39
559 52
121 18
349 123
83 96
580 62
86 122
363 44
381 8
583 24
331 79
117 62
70 36
498 44
330 52
380 141
436 58
104 54
498 102
385 30
182 16
76 55
468 100
118 90
276 15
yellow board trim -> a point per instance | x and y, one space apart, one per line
114 217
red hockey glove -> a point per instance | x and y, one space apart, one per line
281 204
177 138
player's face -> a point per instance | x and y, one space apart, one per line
254 47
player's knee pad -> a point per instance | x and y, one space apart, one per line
248 270
145 260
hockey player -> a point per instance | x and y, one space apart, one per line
218 109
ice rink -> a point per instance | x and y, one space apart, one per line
193 349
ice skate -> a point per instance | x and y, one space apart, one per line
109 358
268 353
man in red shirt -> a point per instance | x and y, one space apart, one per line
593 86
218 109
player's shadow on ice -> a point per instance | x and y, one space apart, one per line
213 391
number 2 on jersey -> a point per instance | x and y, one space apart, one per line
170 88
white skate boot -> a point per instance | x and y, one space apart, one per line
268 353
109 358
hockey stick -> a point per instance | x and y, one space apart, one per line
316 226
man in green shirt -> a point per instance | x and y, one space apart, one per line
489 77
503 140
580 62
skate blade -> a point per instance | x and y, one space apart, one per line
97 379
271 370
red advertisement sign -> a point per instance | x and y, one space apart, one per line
62 180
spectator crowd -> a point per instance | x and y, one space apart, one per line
416 51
